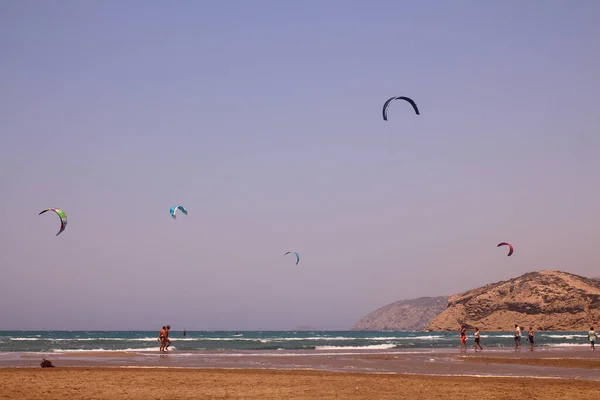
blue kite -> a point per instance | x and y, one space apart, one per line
297 256
174 209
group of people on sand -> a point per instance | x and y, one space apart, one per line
592 337
163 338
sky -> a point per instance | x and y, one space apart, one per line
263 119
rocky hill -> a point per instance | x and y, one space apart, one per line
546 300
403 315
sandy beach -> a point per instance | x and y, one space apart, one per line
447 374
181 383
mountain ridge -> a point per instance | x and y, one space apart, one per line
403 315
546 300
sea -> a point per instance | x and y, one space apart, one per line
229 341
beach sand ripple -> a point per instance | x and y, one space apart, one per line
181 383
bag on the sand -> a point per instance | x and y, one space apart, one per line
46 363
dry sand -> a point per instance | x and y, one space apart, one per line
185 383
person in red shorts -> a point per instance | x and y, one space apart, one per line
463 337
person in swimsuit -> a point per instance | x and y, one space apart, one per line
517 336
592 338
463 337
161 337
531 338
167 340
477 336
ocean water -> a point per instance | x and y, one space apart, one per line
210 341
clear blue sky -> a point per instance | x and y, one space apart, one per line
263 118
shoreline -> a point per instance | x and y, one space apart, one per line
566 363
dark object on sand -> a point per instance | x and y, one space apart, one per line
46 363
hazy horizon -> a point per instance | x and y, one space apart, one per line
264 120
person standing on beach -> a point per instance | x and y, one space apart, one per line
463 337
592 338
517 336
477 336
531 338
161 337
167 340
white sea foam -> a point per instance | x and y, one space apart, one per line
568 337
497 336
261 340
128 350
371 347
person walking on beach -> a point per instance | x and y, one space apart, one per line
477 336
167 340
592 338
517 336
463 337
161 337
531 338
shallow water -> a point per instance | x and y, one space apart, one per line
58 341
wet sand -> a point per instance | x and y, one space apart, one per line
540 362
569 363
186 383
